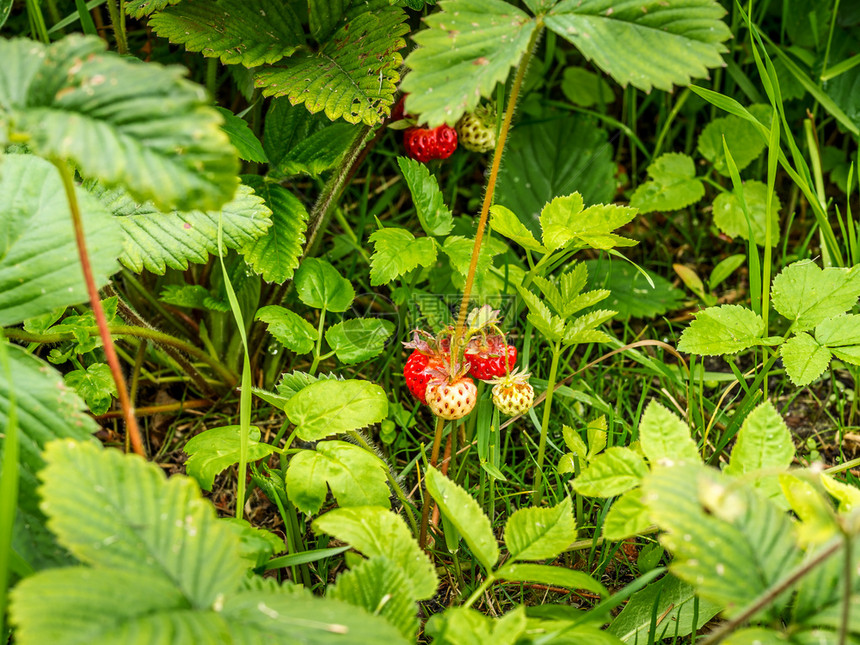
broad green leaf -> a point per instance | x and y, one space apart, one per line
39 264
434 216
468 47
319 285
377 532
239 32
46 410
540 533
552 158
841 335
157 241
396 252
286 127
460 626
291 330
558 218
585 88
358 339
804 358
276 254
611 473
676 602
116 511
320 151
379 586
356 477
628 516
95 385
283 615
216 449
665 439
727 541
630 293
763 447
80 605
673 185
730 219
242 137
817 520
550 575
741 136
354 74
256 545
329 407
648 44
504 222
722 330
141 8
575 443
154 131
465 513
808 295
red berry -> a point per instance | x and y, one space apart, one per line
489 365
421 144
397 112
446 137
414 372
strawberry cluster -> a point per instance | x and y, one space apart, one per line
444 383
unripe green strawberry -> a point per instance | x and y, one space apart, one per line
513 394
477 130
452 400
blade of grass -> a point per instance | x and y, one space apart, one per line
87 23
8 484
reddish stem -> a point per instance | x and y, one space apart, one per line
96 304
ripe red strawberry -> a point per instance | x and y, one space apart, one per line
416 378
513 394
421 144
446 138
489 363
452 400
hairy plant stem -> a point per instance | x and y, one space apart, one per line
544 426
96 303
160 409
771 594
491 185
434 458
158 337
117 21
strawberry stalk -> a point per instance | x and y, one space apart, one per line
434 459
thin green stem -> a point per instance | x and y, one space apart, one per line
434 459
849 577
544 426
9 480
98 311
490 579
318 348
117 20
491 184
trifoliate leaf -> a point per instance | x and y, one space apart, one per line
467 49
742 137
239 32
804 359
353 76
329 407
730 219
722 330
396 252
595 224
673 185
808 295
646 44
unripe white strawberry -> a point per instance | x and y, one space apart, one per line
513 394
477 130
453 400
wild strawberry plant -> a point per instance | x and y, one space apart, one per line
254 251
